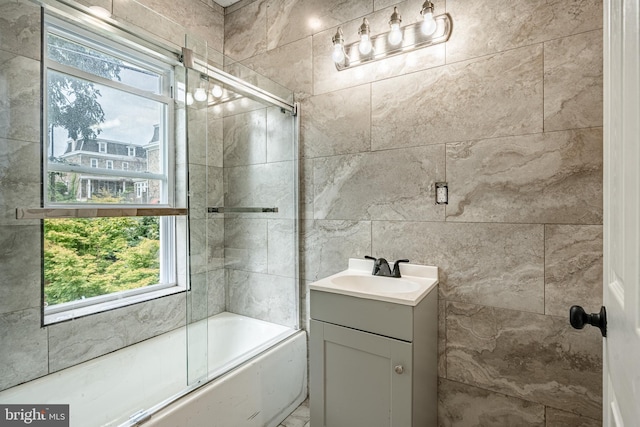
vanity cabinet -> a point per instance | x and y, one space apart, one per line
372 363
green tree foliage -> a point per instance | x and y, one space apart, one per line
86 257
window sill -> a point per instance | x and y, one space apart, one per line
111 304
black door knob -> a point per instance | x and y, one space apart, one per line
579 318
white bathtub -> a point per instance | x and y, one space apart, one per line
107 390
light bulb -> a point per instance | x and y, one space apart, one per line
200 95
395 36
338 53
365 45
429 25
189 98
365 40
216 91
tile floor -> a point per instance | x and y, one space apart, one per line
299 417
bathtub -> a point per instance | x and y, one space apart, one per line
267 384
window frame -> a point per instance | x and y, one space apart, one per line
170 281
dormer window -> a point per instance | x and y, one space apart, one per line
102 147
131 151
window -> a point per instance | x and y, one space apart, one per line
141 188
97 88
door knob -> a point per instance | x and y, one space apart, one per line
578 318
399 369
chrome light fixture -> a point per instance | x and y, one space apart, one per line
429 31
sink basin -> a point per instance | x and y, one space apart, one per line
375 284
357 281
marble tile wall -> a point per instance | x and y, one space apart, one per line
28 350
508 112
260 248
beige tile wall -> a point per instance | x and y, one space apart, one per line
509 113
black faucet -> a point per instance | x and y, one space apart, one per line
381 267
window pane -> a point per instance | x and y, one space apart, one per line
88 257
68 52
92 125
79 188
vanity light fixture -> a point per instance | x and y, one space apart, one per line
429 31
216 91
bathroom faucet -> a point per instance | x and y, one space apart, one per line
381 267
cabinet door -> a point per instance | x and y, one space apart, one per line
358 379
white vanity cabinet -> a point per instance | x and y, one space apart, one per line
373 363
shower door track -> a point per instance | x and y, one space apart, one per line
189 60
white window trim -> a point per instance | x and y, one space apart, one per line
125 166
109 164
93 161
102 147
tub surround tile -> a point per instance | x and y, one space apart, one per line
24 347
462 405
20 182
424 108
328 245
217 291
573 82
518 23
500 265
552 177
19 97
384 185
297 75
19 268
337 122
558 418
82 339
280 144
306 188
245 31
215 139
291 20
533 357
20 28
215 186
197 191
281 251
245 138
245 244
262 296
197 298
573 268
264 185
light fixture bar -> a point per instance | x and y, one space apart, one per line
413 39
